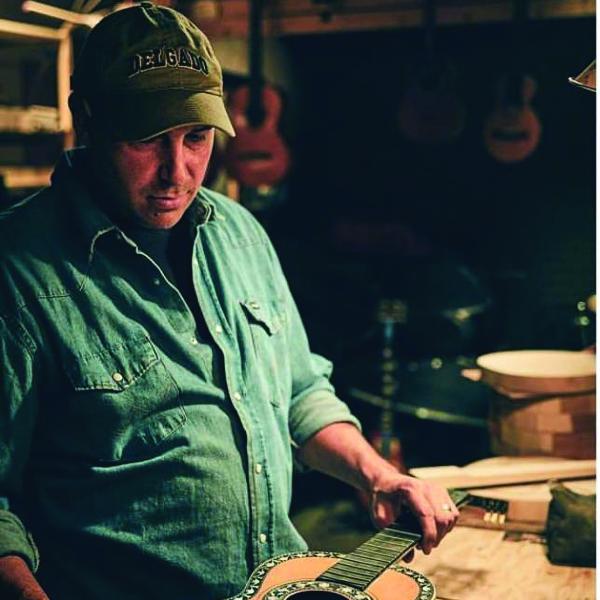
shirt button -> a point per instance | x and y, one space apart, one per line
219 329
117 377
262 538
258 468
193 341
156 281
237 396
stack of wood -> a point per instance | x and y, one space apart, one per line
545 402
561 426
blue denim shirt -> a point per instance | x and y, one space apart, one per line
136 459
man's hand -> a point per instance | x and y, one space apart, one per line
392 492
340 450
17 581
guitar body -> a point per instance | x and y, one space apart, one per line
293 577
257 156
512 132
431 111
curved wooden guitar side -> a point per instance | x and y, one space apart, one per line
294 577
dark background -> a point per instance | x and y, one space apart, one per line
370 215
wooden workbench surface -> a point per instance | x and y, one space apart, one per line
480 564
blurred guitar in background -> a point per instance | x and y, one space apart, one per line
257 157
431 111
512 131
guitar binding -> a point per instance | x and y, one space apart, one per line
281 592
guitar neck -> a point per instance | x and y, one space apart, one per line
365 564
361 567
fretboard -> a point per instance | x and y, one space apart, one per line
361 567
370 559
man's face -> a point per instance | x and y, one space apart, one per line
153 182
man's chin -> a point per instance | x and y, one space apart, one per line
160 219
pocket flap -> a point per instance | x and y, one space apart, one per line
113 367
264 314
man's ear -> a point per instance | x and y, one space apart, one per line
81 112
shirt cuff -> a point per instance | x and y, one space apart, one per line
16 541
315 411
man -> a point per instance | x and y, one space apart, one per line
157 379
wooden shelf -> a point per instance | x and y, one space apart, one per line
25 177
27 32
290 17
40 120
30 120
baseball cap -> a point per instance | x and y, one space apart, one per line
147 69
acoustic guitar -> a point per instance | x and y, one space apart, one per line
431 111
370 572
257 156
512 131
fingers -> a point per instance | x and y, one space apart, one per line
434 509
430 504
409 556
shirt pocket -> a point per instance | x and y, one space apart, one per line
124 403
267 322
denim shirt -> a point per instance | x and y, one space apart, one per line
138 460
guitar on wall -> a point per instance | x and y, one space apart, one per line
257 157
431 111
512 131
370 572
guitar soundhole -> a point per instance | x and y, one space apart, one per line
316 595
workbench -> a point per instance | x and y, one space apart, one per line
483 564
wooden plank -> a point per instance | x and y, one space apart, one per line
25 177
64 65
28 32
510 471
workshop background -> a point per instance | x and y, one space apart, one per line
411 249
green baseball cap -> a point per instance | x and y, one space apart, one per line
147 69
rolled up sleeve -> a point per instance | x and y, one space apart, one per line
17 416
314 404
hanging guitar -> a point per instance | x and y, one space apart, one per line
257 156
512 131
370 572
431 111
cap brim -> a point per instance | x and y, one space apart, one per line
143 115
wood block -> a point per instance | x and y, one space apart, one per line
553 423
572 405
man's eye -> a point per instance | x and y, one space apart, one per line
144 143
194 138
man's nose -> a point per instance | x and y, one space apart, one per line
172 163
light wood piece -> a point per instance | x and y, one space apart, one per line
477 564
507 470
